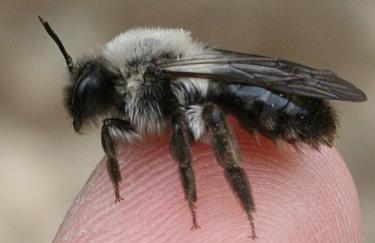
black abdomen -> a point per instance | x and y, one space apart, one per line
279 116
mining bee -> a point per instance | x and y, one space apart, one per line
149 80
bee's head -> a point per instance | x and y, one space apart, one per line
91 90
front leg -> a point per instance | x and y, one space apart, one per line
112 130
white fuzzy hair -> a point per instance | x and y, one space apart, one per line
183 88
139 42
195 120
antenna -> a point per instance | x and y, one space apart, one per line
53 35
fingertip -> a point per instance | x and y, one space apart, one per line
300 196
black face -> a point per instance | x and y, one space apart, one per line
91 92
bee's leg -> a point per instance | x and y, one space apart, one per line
228 155
180 149
115 129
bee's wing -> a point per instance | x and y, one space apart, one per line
274 74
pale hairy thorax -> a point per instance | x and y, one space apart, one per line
138 45
154 42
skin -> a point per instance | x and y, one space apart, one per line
300 196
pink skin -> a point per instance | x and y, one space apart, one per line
300 196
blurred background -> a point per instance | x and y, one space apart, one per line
44 164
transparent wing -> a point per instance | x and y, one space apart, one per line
273 74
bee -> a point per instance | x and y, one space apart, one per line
148 80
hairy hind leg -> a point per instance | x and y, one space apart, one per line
228 155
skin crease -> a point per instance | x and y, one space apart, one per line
300 196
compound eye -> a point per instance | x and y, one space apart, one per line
80 98
82 86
